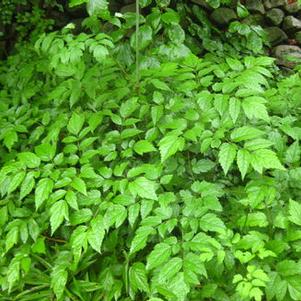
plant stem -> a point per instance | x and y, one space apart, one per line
137 42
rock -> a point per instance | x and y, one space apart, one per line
131 8
203 4
2 49
223 15
292 8
273 3
298 37
78 25
291 24
275 35
254 19
255 6
275 16
79 11
286 55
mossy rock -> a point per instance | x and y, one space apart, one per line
275 16
223 16
275 35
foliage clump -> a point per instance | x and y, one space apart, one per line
178 180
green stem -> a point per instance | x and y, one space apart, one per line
126 271
137 42
31 290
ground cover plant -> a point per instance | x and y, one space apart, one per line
134 169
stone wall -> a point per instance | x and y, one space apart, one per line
281 20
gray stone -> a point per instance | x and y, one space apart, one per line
255 6
203 4
223 15
292 8
78 25
275 16
131 8
275 35
286 55
291 24
273 3
254 19
2 49
298 37
79 11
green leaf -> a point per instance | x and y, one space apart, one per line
96 6
58 212
288 268
143 146
45 151
169 145
179 286
143 188
159 84
241 10
29 159
268 158
234 64
27 185
169 269
128 107
138 277
79 185
295 212
158 256
210 222
96 235
170 17
176 34
76 92
78 241
203 165
11 238
39 246
133 213
254 108
292 154
100 53
245 133
42 192
115 214
257 144
193 263
294 287
243 161
140 238
226 156
10 139
255 219
75 123
156 113
276 287
234 108
71 199
144 3
59 277
16 181
73 3
145 37
13 273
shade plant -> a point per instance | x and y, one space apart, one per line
132 169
